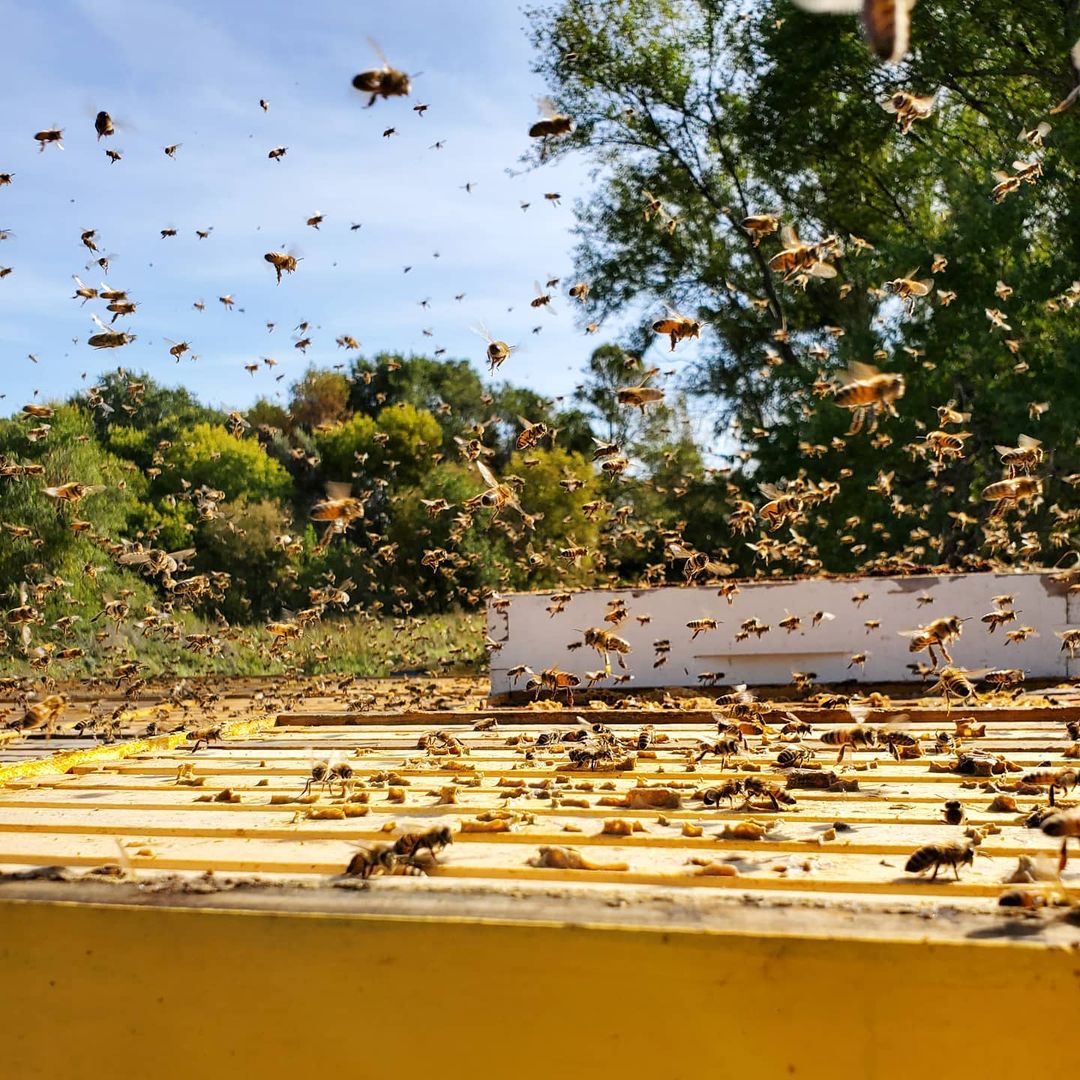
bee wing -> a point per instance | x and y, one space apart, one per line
1021 166
923 287
1003 450
822 270
1026 442
1000 175
789 237
338 489
487 475
546 106
770 491
98 323
378 51
482 330
858 711
859 371
182 555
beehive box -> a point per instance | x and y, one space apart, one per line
189 908
866 615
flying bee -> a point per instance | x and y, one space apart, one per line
73 493
1022 458
556 682
946 444
699 626
49 135
283 262
935 635
533 432
994 619
781 507
858 738
580 291
553 124
869 393
798 258
885 23
759 226
1036 135
1054 779
497 351
103 125
496 496
1064 825
908 108
605 643
939 855
1070 641
1008 493
108 339
677 327
909 289
382 82
641 395
542 299
952 682
1004 678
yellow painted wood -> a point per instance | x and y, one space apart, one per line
106 989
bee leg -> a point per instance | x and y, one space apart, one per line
840 756
1051 795
956 871
1063 859
933 876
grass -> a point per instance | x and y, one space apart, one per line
360 645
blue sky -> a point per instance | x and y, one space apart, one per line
193 73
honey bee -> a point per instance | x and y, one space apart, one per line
953 812
729 790
946 444
553 124
756 788
497 351
282 262
858 738
759 226
382 82
556 682
1054 779
339 510
908 108
108 339
103 125
580 291
798 258
952 682
699 626
939 855
869 393
935 635
641 395
795 757
781 507
533 433
1070 641
722 748
1008 493
885 23
677 327
605 642
48 135
909 289
1022 458
994 619
370 860
5 178
73 492
1065 824
434 840
41 714
496 496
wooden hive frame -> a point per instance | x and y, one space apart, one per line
228 929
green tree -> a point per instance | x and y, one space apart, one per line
719 112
